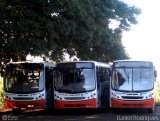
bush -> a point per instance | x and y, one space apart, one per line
158 94
1 92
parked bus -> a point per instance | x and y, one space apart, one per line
28 85
81 84
132 85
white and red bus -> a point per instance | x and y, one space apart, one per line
28 85
81 84
132 85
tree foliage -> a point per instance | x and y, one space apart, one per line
52 27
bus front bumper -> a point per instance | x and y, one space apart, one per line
61 104
118 103
24 105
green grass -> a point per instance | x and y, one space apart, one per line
157 88
1 93
158 93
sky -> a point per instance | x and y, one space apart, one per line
142 41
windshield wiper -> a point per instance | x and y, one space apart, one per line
127 75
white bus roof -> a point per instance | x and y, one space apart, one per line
95 62
42 62
132 61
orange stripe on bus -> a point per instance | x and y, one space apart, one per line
91 103
38 104
118 103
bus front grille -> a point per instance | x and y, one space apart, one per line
132 104
23 98
132 97
74 105
74 98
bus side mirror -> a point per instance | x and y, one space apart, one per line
155 73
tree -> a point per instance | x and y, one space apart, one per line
52 27
88 22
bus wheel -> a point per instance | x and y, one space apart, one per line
105 99
151 110
16 110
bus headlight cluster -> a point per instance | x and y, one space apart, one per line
92 96
40 96
57 97
151 95
114 95
146 97
7 97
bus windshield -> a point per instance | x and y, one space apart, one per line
23 78
75 80
132 79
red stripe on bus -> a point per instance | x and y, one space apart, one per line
91 103
118 103
37 104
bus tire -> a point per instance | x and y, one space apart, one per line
151 110
16 110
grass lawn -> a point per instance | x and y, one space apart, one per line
158 93
1 106
1 93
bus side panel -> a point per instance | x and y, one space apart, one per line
117 103
37 104
60 104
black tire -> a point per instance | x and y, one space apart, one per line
151 110
16 110
105 99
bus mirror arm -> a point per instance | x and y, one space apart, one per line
110 72
155 73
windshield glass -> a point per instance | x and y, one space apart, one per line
132 79
79 80
23 80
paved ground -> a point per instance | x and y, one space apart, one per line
83 115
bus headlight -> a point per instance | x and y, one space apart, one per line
113 94
151 94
